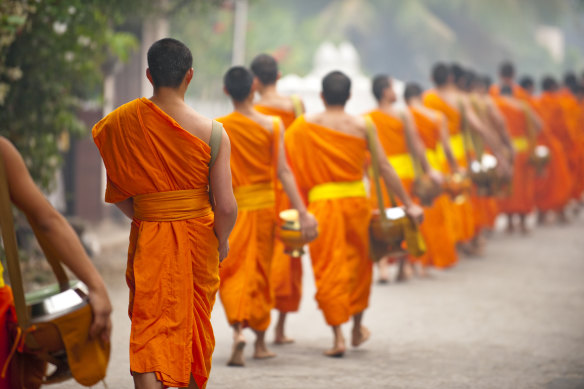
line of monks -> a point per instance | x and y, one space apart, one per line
184 190
442 131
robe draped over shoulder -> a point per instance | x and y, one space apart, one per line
172 269
340 255
245 274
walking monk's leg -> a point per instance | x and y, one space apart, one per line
238 346
360 333
339 347
281 337
261 350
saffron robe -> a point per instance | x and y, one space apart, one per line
245 273
286 274
438 226
553 187
340 255
463 215
172 269
521 198
574 116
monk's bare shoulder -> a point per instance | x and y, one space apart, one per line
266 121
281 102
195 123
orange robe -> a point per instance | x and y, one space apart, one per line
463 215
521 200
340 255
553 187
173 262
245 274
437 228
574 116
286 274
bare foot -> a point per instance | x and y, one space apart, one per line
337 351
282 339
237 352
360 336
262 352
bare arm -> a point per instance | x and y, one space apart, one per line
308 223
417 143
222 191
445 142
127 207
535 119
56 236
497 119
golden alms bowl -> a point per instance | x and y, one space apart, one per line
540 158
388 234
484 175
456 185
290 234
426 190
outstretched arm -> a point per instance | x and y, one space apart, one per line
391 179
55 235
222 191
308 223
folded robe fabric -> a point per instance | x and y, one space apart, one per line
245 274
437 228
286 274
172 269
340 255
464 223
521 198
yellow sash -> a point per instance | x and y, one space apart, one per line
457 146
337 190
1 276
520 144
257 196
173 205
433 160
403 165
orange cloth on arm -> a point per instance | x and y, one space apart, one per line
463 215
172 267
286 274
553 188
522 197
245 285
340 255
437 228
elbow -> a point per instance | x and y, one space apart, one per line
47 222
226 210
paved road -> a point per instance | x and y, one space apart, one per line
513 319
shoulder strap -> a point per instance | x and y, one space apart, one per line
410 144
215 141
297 105
375 166
9 238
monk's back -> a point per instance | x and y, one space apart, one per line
283 103
340 122
145 151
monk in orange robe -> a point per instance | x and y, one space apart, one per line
328 152
157 156
438 227
56 237
553 186
518 115
447 99
400 141
574 116
286 275
507 78
257 161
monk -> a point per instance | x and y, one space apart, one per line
437 229
402 144
55 235
553 186
156 153
257 161
286 275
328 152
447 99
507 78
574 117
521 121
